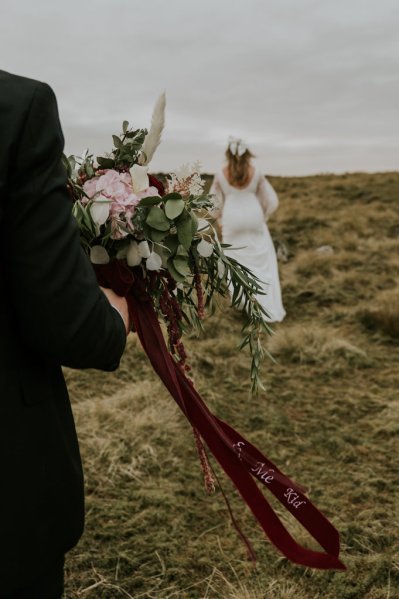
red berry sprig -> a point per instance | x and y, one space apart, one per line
172 314
209 481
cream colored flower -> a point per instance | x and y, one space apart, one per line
99 210
133 257
139 176
144 249
187 180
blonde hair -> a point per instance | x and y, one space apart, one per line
238 167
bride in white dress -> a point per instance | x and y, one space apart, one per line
244 202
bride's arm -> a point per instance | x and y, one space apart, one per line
218 200
267 197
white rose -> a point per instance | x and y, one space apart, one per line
144 249
99 210
139 176
99 255
133 257
153 262
205 249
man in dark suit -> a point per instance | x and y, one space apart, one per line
52 313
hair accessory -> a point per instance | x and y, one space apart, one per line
237 146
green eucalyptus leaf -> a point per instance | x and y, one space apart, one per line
118 143
105 162
157 220
150 201
173 208
158 236
125 126
181 265
185 232
171 242
181 251
147 230
175 273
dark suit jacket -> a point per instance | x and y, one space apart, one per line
52 313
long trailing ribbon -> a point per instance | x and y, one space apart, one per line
241 460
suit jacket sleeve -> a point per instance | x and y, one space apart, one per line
62 313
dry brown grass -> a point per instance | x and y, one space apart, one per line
382 313
314 344
329 418
232 587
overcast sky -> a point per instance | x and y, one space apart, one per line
311 85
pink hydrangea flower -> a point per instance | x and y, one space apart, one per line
90 189
118 188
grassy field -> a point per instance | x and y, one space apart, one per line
329 418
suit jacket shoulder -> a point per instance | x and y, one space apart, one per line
16 94
16 97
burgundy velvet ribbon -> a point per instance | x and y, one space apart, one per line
241 460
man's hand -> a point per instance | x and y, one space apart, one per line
120 304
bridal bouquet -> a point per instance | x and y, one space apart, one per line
153 242
163 230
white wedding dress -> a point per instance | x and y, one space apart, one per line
243 213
